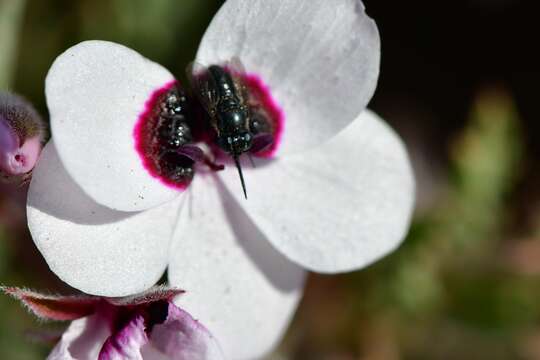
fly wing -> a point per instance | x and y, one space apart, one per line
235 66
238 73
201 83
261 142
192 152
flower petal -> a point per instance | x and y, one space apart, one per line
183 338
96 91
339 207
126 344
230 273
93 248
151 353
319 58
83 339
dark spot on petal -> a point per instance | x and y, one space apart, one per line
157 313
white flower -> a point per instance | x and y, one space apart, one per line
337 196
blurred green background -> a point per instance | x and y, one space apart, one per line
459 82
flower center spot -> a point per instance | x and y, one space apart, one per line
170 126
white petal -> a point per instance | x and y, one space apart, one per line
337 208
93 248
320 59
83 339
151 353
183 338
96 91
241 289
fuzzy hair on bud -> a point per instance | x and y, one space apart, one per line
22 136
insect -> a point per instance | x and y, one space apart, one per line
174 135
232 113
166 139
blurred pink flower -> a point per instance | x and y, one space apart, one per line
147 326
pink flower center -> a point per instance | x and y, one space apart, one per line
167 129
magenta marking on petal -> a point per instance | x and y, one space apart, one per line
127 343
141 131
262 92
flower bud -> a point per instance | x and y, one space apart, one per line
22 135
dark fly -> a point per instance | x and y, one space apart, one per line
175 150
225 99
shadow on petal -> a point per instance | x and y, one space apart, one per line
54 192
276 268
221 257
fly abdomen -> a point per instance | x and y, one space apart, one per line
172 132
163 135
224 84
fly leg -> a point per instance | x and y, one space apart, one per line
212 164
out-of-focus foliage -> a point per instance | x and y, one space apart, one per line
15 322
464 285
446 293
11 12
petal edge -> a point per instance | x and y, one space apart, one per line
96 91
340 207
313 55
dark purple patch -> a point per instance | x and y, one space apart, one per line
162 129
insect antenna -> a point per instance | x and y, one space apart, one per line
237 163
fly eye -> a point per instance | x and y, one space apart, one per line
244 142
247 138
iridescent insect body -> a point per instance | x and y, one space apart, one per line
175 139
165 139
226 100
